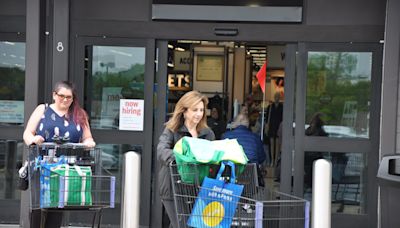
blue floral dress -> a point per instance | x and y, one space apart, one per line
52 125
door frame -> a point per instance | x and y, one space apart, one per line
124 137
296 143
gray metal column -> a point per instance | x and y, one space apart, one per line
288 115
60 45
147 156
35 63
300 100
390 196
161 78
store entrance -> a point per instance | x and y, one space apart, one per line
230 74
336 84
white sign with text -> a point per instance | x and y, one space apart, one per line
11 111
131 112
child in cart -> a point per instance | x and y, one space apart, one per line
62 121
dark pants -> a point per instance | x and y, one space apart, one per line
169 206
53 219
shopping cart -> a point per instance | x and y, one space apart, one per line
67 177
257 206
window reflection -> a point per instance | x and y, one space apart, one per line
348 180
112 161
339 86
115 73
12 83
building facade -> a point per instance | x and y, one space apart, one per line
102 46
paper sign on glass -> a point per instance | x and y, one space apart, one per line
131 112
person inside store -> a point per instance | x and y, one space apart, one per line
251 142
279 86
244 109
216 122
64 120
188 119
274 118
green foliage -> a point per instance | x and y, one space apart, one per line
128 78
331 82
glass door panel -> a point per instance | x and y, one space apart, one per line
12 83
337 100
12 92
110 72
339 93
116 73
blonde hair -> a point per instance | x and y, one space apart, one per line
187 101
241 119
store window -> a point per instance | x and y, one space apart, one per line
115 75
12 83
338 94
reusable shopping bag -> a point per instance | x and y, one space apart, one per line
45 167
65 185
233 151
197 151
202 152
217 200
192 156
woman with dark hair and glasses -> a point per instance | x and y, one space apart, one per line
62 121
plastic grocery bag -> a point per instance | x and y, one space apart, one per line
216 203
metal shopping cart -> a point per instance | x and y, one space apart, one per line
67 177
256 206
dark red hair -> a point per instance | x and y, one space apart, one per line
78 114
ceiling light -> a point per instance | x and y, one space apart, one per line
179 49
189 41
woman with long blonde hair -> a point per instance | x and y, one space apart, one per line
188 119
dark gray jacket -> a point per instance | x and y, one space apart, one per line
165 156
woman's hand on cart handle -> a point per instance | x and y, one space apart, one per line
37 140
89 143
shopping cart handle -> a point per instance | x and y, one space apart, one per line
64 145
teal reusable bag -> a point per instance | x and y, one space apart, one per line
217 200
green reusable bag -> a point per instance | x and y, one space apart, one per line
77 185
189 166
194 156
